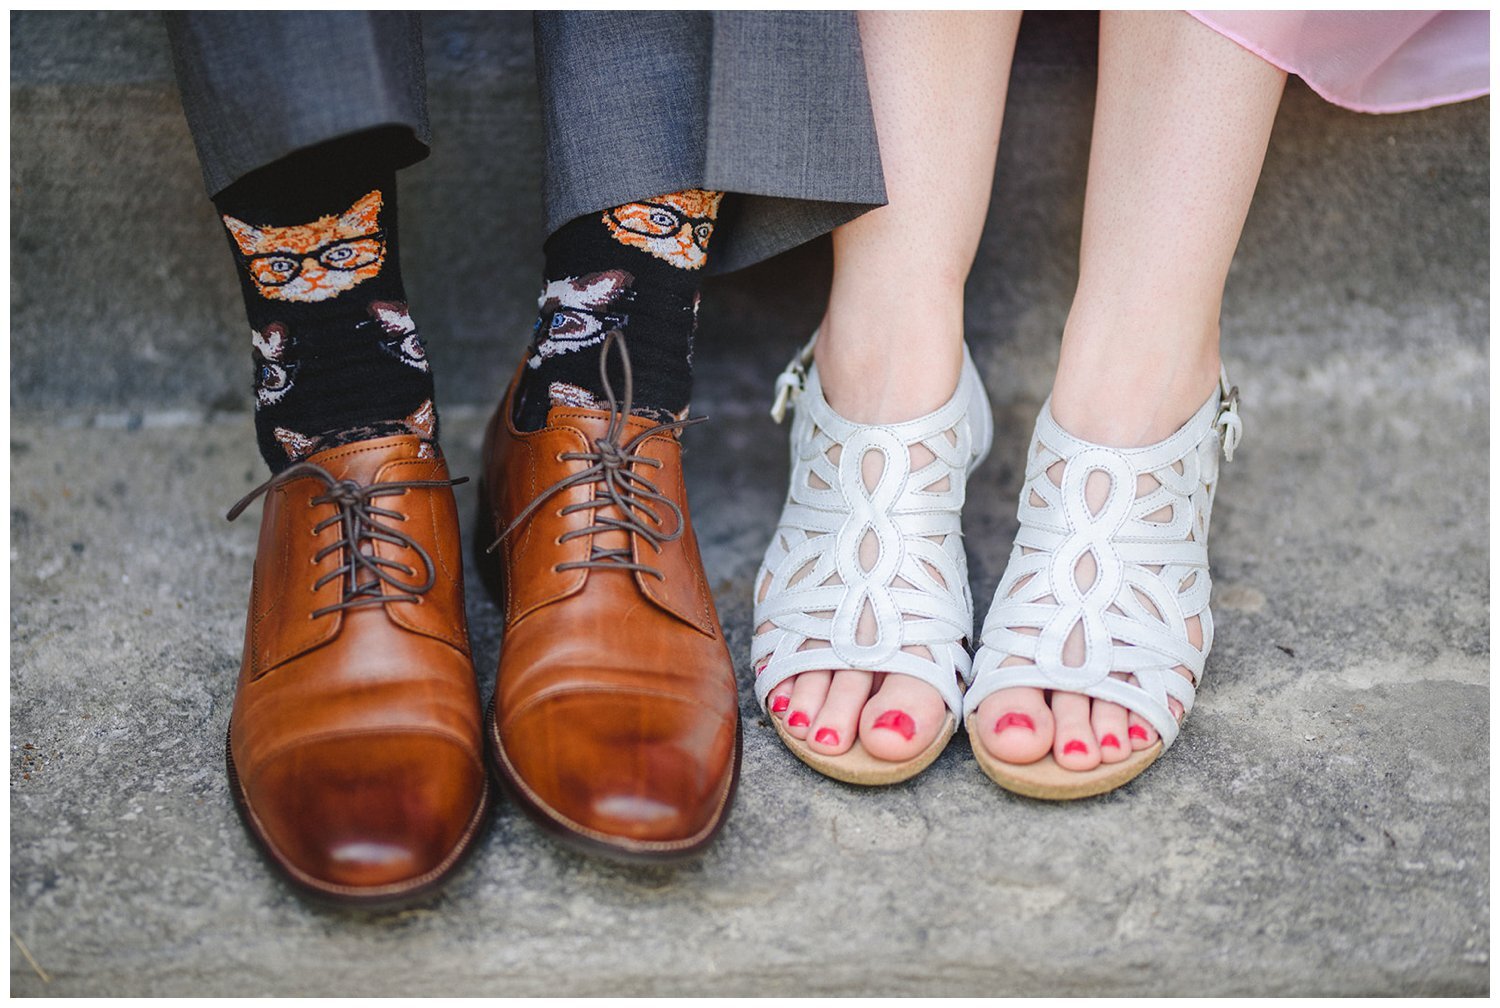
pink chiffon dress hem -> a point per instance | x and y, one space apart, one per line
1370 61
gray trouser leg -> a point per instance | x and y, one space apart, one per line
258 85
770 107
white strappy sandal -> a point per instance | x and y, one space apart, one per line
812 589
1151 555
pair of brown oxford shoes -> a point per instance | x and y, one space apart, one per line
356 747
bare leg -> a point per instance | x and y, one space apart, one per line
1180 131
891 343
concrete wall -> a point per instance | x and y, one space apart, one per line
1369 236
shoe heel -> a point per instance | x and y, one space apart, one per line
491 570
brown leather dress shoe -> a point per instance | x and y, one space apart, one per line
615 721
355 751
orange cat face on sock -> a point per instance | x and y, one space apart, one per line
675 227
316 261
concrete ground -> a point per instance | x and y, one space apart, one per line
1321 827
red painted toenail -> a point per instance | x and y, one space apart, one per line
798 720
826 736
1110 740
1138 732
781 703
1014 720
899 722
1075 746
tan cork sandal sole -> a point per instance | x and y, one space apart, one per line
857 766
1047 781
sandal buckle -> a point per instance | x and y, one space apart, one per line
788 388
791 381
1231 428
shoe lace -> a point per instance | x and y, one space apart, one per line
366 575
617 484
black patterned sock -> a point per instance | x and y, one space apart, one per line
337 357
633 269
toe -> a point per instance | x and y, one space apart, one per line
1015 725
1142 735
779 702
1110 728
832 730
1074 746
808 693
902 718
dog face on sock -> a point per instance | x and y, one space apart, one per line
274 368
421 421
316 261
675 227
400 340
295 444
567 394
576 312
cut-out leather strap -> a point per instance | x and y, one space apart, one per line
617 484
358 518
1150 573
813 589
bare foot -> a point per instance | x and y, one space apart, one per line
1022 724
894 716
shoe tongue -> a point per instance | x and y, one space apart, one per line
595 423
362 461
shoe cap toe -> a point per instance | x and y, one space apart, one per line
368 810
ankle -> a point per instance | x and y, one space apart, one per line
633 271
877 368
1132 407
1135 384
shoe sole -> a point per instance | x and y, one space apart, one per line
1047 781
391 896
570 833
581 838
858 766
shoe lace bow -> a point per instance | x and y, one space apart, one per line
367 575
624 500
